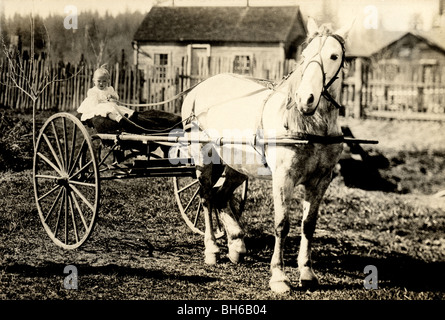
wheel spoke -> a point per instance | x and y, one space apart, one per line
192 198
82 197
73 145
54 205
188 186
57 140
198 212
46 176
50 163
79 210
58 216
49 192
82 169
73 165
66 215
52 151
72 217
82 183
65 139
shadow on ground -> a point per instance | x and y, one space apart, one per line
341 259
51 269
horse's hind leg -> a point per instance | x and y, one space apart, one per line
206 176
235 234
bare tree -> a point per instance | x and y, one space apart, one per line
26 79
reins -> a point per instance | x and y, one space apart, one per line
268 86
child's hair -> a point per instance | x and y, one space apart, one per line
101 71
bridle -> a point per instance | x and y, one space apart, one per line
325 93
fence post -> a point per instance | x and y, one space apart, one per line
357 107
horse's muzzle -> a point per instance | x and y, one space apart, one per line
307 106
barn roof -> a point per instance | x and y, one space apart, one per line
221 24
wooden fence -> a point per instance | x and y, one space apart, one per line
68 84
414 90
395 90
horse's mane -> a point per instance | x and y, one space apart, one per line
324 30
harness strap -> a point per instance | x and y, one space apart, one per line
326 86
183 93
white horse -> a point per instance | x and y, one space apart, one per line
301 106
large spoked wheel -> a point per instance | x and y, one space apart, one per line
66 180
187 191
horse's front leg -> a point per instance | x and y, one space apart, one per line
314 193
282 195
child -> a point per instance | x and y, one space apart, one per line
97 102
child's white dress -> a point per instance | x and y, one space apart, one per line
96 104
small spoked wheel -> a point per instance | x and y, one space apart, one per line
187 191
66 180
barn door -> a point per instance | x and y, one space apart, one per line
199 62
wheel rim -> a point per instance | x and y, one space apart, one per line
66 180
187 190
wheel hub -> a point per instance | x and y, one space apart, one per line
63 180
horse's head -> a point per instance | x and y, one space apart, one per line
322 61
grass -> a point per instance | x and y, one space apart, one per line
141 248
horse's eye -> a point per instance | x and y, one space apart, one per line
334 57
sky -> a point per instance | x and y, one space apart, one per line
393 14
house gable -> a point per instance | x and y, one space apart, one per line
411 46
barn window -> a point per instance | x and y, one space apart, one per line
161 63
242 64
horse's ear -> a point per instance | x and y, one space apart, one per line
344 31
312 26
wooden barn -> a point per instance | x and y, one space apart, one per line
402 76
196 42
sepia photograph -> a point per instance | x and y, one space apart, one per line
220 158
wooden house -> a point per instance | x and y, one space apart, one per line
400 72
196 42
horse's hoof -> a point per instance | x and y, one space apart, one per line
237 251
280 286
235 257
308 280
308 284
211 258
